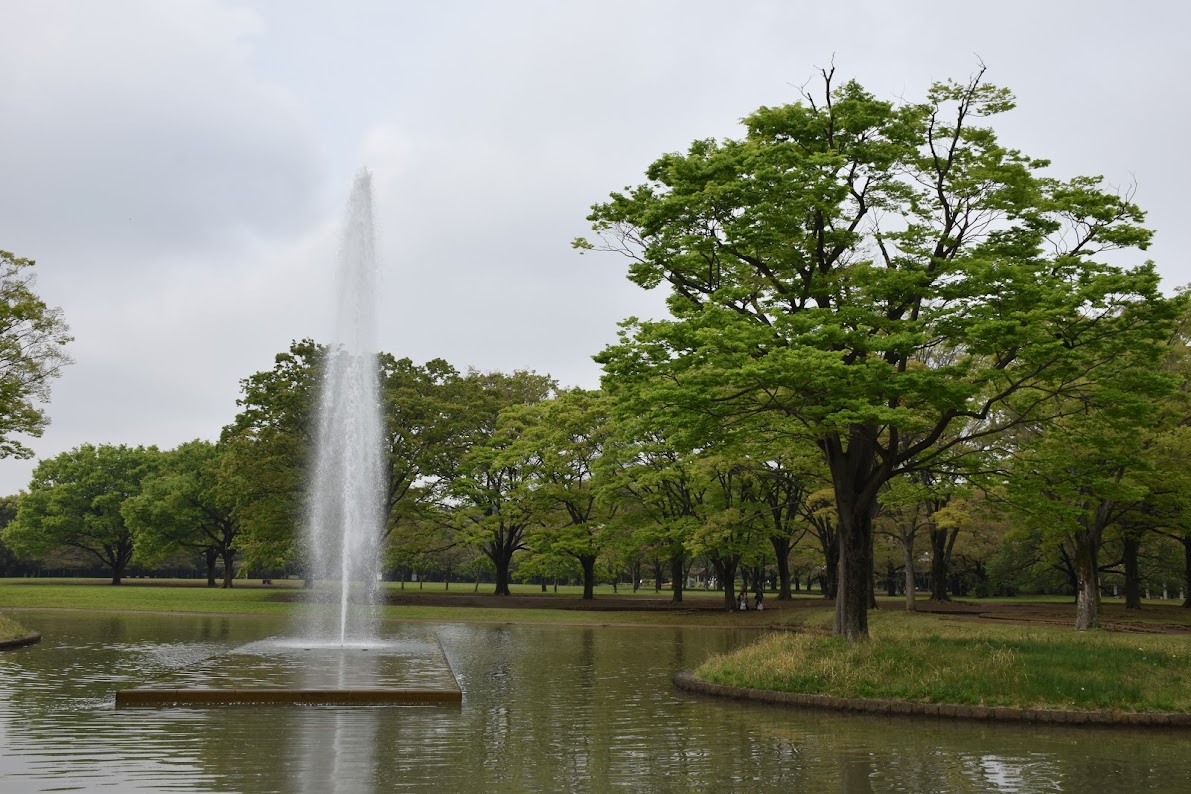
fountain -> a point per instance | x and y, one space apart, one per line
347 491
338 657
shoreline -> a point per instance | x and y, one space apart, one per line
480 621
688 682
31 638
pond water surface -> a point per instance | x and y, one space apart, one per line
544 709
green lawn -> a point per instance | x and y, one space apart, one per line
933 659
44 594
250 598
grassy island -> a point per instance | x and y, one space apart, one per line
926 658
11 630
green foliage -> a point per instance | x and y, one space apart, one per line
32 341
561 441
266 450
888 282
1026 562
422 424
185 505
493 496
269 446
76 498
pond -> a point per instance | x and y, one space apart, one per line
550 708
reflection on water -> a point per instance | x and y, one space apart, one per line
545 709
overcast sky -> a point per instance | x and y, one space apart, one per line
179 168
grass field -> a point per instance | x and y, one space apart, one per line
192 596
934 659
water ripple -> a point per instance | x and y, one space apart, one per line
545 709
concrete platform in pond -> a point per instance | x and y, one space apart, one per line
411 669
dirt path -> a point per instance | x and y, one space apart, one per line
1169 618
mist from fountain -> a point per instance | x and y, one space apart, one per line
346 493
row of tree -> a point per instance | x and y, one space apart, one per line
584 484
883 323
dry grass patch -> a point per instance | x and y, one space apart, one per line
11 630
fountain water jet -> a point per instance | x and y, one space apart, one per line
346 494
339 659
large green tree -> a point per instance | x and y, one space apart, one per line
184 505
266 452
660 492
269 447
493 495
1167 507
735 522
561 441
889 278
33 338
75 499
786 482
1079 479
422 422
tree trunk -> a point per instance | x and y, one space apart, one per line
872 577
758 581
831 571
657 574
120 555
1132 545
890 579
853 586
211 554
1087 574
781 550
229 567
501 563
1067 566
677 577
908 557
1187 572
726 571
938 565
588 562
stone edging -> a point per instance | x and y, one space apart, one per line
687 681
28 639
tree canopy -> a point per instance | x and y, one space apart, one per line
183 504
75 499
33 338
886 280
